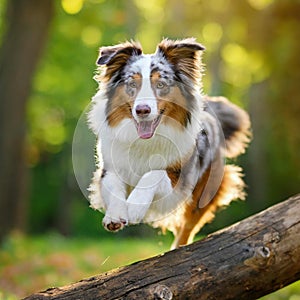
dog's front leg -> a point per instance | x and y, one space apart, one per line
113 192
153 183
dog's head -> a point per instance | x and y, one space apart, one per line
151 89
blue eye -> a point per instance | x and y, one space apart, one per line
160 85
132 84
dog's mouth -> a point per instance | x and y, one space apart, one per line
146 129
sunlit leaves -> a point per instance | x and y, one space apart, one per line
212 33
149 31
236 29
242 67
152 11
218 6
234 54
48 129
91 36
72 7
260 4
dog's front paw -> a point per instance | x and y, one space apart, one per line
116 216
136 212
114 224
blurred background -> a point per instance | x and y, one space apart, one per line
47 62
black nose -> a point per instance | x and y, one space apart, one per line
143 110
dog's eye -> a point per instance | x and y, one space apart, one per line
160 85
132 84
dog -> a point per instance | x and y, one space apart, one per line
161 143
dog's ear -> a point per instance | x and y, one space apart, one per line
184 55
116 57
108 55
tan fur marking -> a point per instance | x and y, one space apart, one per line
119 62
194 217
155 76
192 214
137 76
119 107
174 174
175 108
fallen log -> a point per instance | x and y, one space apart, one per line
247 260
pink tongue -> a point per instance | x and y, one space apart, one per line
145 129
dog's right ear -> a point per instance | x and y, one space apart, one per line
114 58
110 54
106 54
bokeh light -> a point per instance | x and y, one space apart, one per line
72 7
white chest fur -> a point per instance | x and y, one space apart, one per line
132 157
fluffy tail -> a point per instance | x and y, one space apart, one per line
235 124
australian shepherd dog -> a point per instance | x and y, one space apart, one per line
161 143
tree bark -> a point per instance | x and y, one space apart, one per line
245 261
27 23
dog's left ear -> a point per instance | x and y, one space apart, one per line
184 55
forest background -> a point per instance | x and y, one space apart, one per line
47 63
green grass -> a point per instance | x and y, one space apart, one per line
31 264
291 292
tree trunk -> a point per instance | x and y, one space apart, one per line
245 261
27 23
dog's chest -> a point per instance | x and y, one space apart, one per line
132 160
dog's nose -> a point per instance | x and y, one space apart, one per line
143 110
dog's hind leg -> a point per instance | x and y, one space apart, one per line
195 217
185 232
